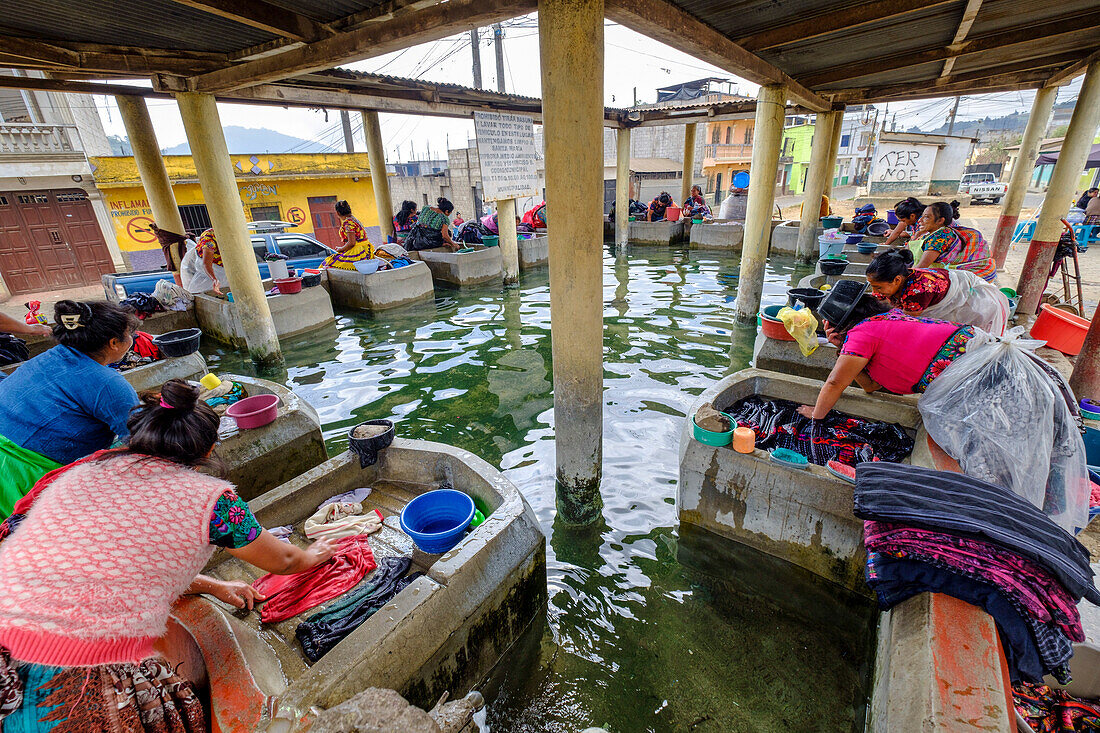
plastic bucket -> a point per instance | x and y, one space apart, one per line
1062 331
866 249
891 218
254 412
832 265
832 222
367 267
178 343
709 437
827 246
436 520
672 213
277 270
810 297
771 326
491 240
289 285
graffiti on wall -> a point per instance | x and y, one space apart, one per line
900 165
253 191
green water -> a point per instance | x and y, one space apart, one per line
634 638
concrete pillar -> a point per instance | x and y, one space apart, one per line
1021 172
223 202
622 186
816 176
689 161
376 156
509 246
1085 380
572 52
834 150
770 108
1063 184
150 165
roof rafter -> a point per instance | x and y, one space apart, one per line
970 14
670 24
1082 23
1071 71
1002 83
108 59
264 16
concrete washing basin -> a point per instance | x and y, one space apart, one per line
442 633
661 233
480 267
292 314
534 252
380 290
727 235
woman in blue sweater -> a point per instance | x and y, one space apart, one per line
66 403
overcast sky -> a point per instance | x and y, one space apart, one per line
633 64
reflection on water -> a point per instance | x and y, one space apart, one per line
634 640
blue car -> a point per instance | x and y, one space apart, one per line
302 251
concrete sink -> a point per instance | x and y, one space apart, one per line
480 267
718 234
292 314
534 252
381 290
662 233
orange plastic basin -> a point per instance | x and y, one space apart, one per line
1062 331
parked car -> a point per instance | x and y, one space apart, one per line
302 251
982 187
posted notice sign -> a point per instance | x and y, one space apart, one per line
506 148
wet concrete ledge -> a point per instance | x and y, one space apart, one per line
659 233
534 252
381 290
293 315
717 235
480 267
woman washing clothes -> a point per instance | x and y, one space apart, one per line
206 249
989 403
908 213
944 243
104 548
355 245
404 220
958 296
695 206
658 207
433 228
65 403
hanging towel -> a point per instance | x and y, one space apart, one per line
289 595
342 519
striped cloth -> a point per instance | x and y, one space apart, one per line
956 503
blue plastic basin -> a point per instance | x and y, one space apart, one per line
436 520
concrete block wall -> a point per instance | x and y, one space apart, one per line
657 142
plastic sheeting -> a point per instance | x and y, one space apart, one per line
1011 421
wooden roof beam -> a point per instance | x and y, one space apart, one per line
970 14
821 24
1003 83
430 24
1071 71
263 16
107 59
1083 24
670 24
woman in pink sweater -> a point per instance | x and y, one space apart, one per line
92 560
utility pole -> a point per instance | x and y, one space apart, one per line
954 111
345 120
498 38
475 41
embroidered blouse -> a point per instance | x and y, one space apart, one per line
962 248
923 289
207 240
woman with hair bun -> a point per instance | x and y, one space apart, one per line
356 246
433 228
101 551
944 243
908 213
958 296
66 402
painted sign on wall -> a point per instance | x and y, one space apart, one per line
506 149
904 163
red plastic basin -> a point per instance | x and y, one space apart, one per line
254 412
771 326
672 213
289 285
1062 331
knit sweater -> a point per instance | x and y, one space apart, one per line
91 575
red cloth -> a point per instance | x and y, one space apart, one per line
321 583
144 346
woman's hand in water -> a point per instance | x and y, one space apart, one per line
806 411
237 594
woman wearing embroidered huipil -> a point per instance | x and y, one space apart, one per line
945 243
92 560
356 246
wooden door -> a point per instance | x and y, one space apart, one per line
82 233
326 224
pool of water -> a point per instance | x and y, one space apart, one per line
634 638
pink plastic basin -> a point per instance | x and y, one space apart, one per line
672 213
1062 331
254 412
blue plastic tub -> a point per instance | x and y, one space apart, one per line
828 247
436 520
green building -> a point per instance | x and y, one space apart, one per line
794 155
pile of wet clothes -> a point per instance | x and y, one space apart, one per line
838 437
942 532
143 352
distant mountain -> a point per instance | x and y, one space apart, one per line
258 140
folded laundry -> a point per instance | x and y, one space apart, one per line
289 595
323 630
355 495
342 519
965 506
838 437
1031 649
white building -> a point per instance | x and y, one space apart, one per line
55 230
853 159
918 164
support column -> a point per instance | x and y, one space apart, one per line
816 177
1021 172
689 161
150 165
834 150
509 244
770 109
223 202
622 186
1063 184
376 156
572 64
1085 380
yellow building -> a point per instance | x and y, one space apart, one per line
297 188
727 151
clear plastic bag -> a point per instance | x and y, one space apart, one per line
1007 420
801 324
971 301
